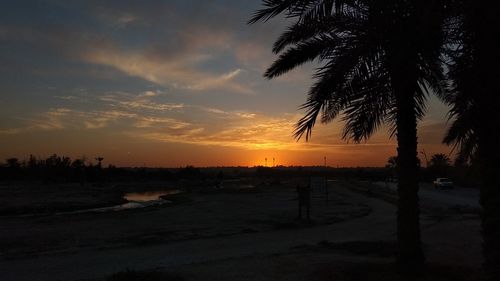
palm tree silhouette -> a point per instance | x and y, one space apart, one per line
379 59
440 160
99 161
476 128
392 162
13 163
461 94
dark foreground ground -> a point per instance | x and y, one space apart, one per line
247 233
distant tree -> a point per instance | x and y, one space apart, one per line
440 160
99 160
33 162
78 164
52 161
439 166
13 163
190 172
392 162
65 162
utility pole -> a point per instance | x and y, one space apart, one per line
326 181
266 161
425 156
273 163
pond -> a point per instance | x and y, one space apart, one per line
148 195
136 200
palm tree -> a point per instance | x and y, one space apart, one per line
460 95
13 163
392 162
474 99
440 160
439 166
462 133
99 161
376 68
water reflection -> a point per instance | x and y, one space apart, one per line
136 200
148 195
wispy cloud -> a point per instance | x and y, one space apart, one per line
142 116
254 133
142 101
149 122
179 70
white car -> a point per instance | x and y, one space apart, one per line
443 183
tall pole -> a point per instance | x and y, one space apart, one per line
273 162
425 155
326 182
266 161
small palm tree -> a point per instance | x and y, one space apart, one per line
392 162
13 163
378 59
440 160
439 165
99 161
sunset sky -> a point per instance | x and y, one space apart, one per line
163 83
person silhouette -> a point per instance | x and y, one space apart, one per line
304 196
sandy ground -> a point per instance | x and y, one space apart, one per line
18 198
229 236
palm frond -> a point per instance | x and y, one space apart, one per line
301 53
371 100
302 31
272 9
333 90
366 114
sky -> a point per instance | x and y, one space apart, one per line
165 84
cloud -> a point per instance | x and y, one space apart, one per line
180 72
148 94
139 102
143 116
53 119
11 131
117 19
250 131
431 132
170 45
148 122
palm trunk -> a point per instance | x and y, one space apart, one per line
488 129
402 63
489 163
489 159
410 258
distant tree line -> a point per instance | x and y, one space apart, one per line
57 169
54 168
440 165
